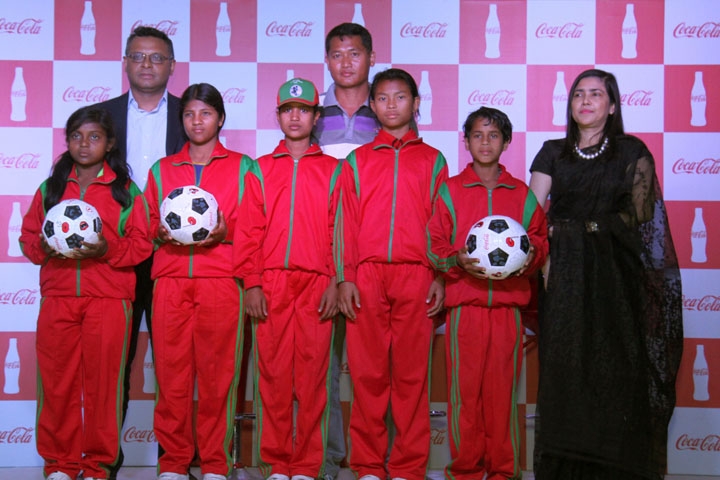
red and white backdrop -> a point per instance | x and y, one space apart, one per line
516 55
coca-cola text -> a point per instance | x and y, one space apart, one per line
29 26
638 98
297 29
706 30
431 30
169 27
17 435
500 97
569 30
234 95
24 296
136 435
92 95
709 443
707 166
22 161
438 436
708 303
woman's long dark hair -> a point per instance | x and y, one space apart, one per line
55 185
613 124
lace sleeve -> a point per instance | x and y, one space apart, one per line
643 191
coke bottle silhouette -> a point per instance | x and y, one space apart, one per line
629 33
223 31
12 369
698 102
18 97
87 30
492 33
701 375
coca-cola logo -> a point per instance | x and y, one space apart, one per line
24 296
298 29
29 26
706 30
22 161
708 303
629 30
499 97
17 435
638 98
438 436
136 435
708 443
703 372
698 98
706 166
431 30
223 29
568 30
234 95
87 27
15 365
169 27
91 95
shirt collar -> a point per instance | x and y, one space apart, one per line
132 103
330 99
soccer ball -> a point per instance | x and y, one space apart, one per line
189 214
500 244
69 223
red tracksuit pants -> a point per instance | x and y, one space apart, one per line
388 347
81 348
292 358
197 336
484 358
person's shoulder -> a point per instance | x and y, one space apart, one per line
629 140
115 102
554 144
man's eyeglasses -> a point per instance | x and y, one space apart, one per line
156 58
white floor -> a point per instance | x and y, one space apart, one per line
148 473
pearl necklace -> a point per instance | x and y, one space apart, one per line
592 156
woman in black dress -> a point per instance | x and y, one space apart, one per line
610 337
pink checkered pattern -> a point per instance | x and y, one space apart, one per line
516 55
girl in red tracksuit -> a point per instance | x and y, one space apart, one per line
284 252
86 310
197 301
388 188
483 330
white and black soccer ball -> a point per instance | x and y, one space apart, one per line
189 214
500 244
69 223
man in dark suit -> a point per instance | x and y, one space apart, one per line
147 127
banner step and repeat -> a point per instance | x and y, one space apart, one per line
515 55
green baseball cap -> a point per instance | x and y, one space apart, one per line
298 90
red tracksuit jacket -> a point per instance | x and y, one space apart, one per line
388 188
464 200
125 230
217 177
289 215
